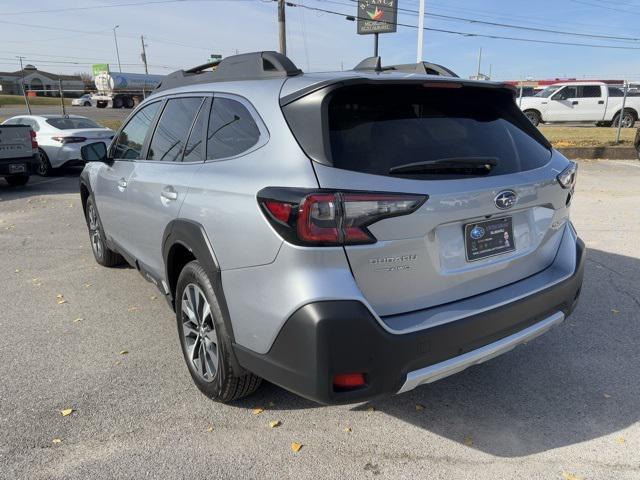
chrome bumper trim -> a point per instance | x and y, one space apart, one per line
457 364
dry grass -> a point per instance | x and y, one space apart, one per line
587 136
19 100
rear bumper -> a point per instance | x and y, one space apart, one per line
8 166
326 338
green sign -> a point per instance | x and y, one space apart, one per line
100 68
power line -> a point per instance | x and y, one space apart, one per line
510 26
470 34
115 5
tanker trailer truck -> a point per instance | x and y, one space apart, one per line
118 90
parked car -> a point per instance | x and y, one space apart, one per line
18 153
60 138
585 102
85 100
343 235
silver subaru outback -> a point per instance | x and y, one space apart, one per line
343 235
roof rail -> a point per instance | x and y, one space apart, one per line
246 66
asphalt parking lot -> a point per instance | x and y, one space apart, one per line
565 406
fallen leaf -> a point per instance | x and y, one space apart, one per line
295 447
614 311
371 409
275 423
60 299
621 440
67 411
118 362
17 270
606 395
133 309
210 429
348 429
88 285
123 352
257 411
56 440
570 476
78 320
153 297
419 407
468 441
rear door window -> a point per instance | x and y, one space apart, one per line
589 91
374 128
170 136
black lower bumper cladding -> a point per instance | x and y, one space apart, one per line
323 339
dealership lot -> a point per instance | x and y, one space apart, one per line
566 404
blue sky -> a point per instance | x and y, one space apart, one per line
182 34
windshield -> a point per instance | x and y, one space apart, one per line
547 92
72 123
374 128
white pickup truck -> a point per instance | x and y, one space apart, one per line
585 102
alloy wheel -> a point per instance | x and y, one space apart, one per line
198 329
94 232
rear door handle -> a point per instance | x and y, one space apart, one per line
575 102
122 184
169 193
601 102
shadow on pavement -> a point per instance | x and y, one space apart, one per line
62 181
573 384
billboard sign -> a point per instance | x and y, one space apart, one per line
99 68
377 16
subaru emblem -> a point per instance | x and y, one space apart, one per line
477 232
506 199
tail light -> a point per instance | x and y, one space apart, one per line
34 142
65 140
567 177
331 218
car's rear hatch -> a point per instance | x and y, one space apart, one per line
432 256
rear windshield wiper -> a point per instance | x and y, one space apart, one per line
462 165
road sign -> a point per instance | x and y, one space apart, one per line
100 68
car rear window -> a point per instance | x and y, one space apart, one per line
374 128
72 123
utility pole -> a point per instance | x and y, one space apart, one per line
282 30
24 93
479 62
64 112
115 38
144 55
420 56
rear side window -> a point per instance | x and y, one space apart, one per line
130 140
590 91
374 128
173 128
232 129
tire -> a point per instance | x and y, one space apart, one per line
117 102
208 361
128 102
103 255
44 168
87 104
17 180
533 116
628 119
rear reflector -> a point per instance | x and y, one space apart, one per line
346 381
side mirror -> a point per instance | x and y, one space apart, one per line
94 152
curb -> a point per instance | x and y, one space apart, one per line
612 153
